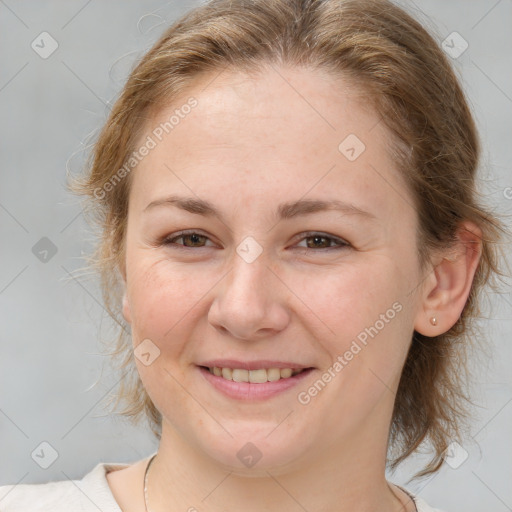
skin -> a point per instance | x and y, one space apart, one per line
252 143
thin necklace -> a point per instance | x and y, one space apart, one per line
146 501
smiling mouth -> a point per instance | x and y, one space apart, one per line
259 376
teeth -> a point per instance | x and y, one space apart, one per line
286 372
273 374
227 373
255 376
240 375
258 376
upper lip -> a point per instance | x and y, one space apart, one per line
252 365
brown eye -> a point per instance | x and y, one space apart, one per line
318 242
323 241
195 240
190 240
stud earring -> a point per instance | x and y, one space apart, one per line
433 320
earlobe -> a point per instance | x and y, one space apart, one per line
447 290
126 309
126 305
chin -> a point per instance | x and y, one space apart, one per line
254 452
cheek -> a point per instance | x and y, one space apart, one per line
162 297
165 303
367 320
348 300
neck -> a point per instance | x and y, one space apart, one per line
344 479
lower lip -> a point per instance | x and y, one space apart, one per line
248 391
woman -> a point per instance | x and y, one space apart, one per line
290 232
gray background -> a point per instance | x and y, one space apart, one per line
51 379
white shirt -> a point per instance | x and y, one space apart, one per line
90 494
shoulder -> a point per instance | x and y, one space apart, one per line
421 505
90 493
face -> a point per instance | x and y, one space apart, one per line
267 276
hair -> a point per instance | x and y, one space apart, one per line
386 53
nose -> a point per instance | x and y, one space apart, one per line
250 303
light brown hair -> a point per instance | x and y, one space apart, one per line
390 56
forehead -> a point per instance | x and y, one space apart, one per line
275 104
280 131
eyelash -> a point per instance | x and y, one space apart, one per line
342 244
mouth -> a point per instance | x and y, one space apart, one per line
252 381
258 376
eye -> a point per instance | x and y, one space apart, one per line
323 241
191 240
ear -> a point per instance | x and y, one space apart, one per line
447 289
126 305
127 314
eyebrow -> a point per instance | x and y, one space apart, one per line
284 211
